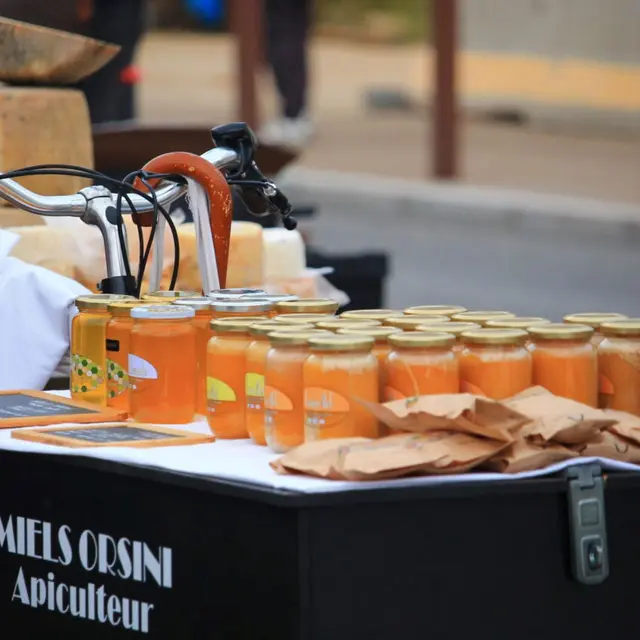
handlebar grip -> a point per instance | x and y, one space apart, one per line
218 191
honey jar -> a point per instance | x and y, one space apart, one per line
336 325
456 329
243 307
370 314
495 363
118 338
203 316
88 347
565 361
421 364
230 294
481 317
340 372
162 364
165 297
322 306
303 318
226 368
256 361
434 310
411 323
619 365
517 322
283 389
593 320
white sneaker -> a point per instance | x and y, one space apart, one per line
294 133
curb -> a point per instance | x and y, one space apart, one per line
441 203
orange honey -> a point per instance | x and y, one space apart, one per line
256 362
162 365
283 389
495 363
340 371
226 363
565 361
203 316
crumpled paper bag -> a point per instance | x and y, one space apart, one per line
523 455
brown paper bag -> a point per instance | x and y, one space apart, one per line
558 419
438 452
610 445
526 456
627 425
461 412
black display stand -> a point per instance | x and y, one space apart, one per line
210 559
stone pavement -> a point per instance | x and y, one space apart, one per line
190 78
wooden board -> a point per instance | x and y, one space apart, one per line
31 54
27 408
115 434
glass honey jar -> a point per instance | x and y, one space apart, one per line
335 325
434 310
370 314
241 308
593 320
322 306
166 297
456 329
303 318
230 294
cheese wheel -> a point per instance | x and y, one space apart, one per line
284 255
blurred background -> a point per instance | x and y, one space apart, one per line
477 152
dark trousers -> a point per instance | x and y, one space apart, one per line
288 23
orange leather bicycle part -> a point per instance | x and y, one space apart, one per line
218 192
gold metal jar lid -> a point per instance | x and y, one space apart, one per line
263 329
308 305
99 300
241 305
593 319
379 334
274 297
517 322
295 338
228 294
370 314
495 336
559 331
198 303
122 308
622 328
161 312
234 325
170 295
334 325
411 323
481 317
303 318
454 328
434 310
341 343
419 340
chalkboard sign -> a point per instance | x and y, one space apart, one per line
117 434
36 408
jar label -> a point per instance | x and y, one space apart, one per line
391 394
468 387
117 379
86 375
606 386
254 391
218 391
140 368
323 407
275 400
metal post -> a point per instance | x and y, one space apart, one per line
246 24
444 29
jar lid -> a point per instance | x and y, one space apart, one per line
170 295
334 325
593 320
267 327
379 334
411 323
122 308
454 328
275 297
559 331
303 318
99 300
198 303
495 336
434 310
341 343
222 294
308 305
234 325
481 317
241 305
630 327
517 322
370 314
295 338
417 340
161 312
